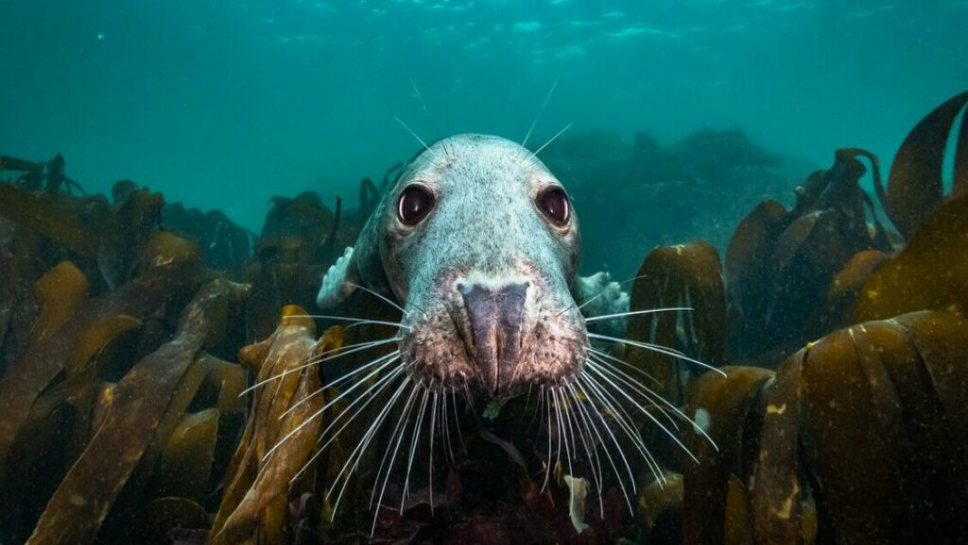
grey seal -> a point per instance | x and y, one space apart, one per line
478 242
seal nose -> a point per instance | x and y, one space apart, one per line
496 318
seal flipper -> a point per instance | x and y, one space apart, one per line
340 281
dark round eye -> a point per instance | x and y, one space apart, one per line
554 204
414 205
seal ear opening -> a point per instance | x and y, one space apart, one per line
340 281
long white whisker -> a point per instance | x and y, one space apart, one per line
637 387
591 449
368 437
433 418
652 396
383 362
357 321
608 454
547 403
534 155
625 423
314 415
659 349
607 356
352 349
422 143
460 435
369 395
637 312
534 123
413 447
404 419
380 296
595 297
644 411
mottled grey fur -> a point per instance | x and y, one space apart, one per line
485 229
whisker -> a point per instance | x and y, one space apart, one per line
591 449
413 447
652 396
433 418
357 453
659 349
654 420
404 420
422 143
646 392
319 359
383 361
317 413
460 435
607 356
608 453
445 425
600 294
370 395
639 388
534 123
547 403
378 295
429 117
625 423
534 155
637 312
566 428
357 321
624 420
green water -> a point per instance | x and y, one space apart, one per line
222 104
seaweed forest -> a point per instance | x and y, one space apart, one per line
153 356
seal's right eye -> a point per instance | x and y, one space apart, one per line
415 203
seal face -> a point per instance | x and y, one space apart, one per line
478 242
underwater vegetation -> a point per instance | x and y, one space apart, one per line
706 182
161 373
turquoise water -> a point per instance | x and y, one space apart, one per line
222 104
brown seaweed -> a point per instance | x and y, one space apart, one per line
686 276
722 407
255 503
915 186
930 273
45 359
83 499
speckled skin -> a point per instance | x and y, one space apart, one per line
484 229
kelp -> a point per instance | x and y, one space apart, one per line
83 499
896 386
930 273
683 276
40 363
781 264
280 434
225 245
915 187
123 427
45 217
722 408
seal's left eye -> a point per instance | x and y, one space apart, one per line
553 203
414 205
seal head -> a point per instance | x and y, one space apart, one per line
478 242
